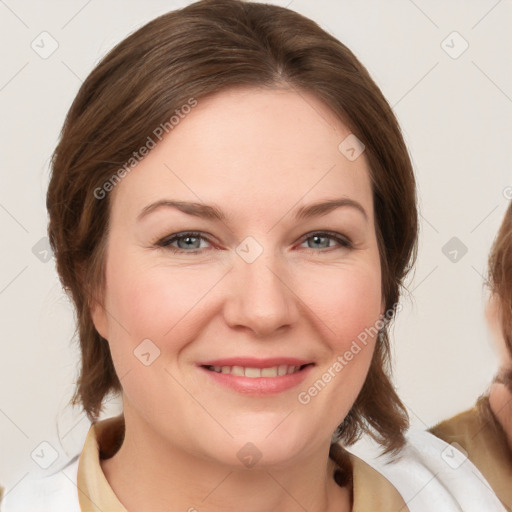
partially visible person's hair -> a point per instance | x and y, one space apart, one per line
182 57
500 283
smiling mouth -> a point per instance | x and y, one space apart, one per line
246 371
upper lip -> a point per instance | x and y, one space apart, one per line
253 362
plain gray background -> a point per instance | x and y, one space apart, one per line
455 109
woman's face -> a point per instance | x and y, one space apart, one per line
260 292
493 317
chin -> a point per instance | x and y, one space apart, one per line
263 448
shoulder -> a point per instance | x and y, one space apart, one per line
432 475
476 430
458 428
481 438
52 493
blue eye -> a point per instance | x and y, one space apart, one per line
317 238
189 242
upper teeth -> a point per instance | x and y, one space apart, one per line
243 371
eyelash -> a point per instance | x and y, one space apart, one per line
165 242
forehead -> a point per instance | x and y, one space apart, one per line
249 148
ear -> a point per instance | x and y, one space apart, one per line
95 301
383 306
492 309
99 318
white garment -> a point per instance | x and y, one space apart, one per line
430 475
55 492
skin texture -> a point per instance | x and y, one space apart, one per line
258 155
500 397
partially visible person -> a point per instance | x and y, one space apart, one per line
485 431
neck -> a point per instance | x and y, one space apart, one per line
168 474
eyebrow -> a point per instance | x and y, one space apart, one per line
212 212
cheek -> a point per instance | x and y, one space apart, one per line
151 302
348 302
349 307
164 305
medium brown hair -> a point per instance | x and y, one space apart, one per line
195 52
500 281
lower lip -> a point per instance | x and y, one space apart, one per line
259 385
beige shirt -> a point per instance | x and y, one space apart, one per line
481 436
372 492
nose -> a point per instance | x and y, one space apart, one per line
262 299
